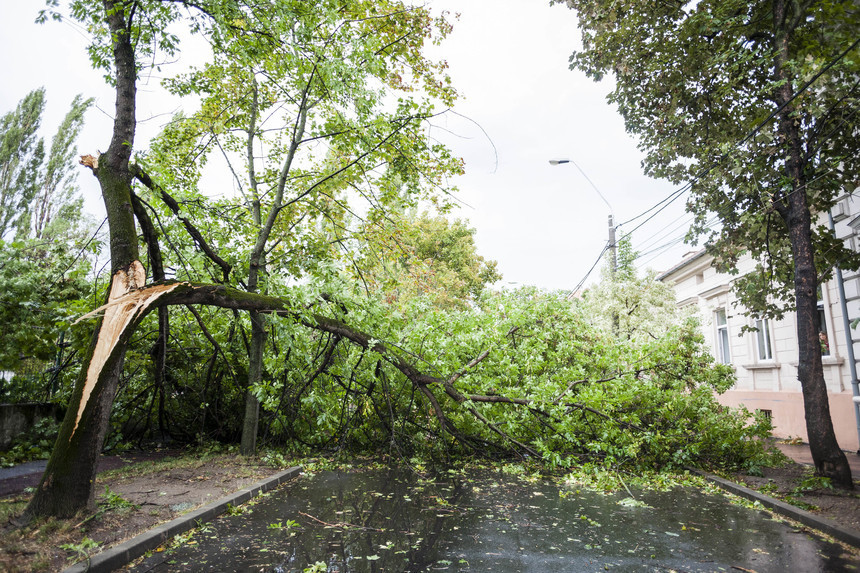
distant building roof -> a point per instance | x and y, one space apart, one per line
688 258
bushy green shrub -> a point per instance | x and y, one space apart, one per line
34 444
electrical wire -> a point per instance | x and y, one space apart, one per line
685 220
591 270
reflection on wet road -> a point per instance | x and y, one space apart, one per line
395 521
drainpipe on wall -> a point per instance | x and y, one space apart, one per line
849 341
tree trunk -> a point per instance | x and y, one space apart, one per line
255 376
829 459
256 270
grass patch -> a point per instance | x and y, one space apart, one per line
39 545
184 460
12 508
81 550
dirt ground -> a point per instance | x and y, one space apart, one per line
134 497
795 484
131 499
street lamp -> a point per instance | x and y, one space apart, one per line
612 246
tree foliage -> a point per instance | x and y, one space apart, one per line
517 373
56 211
404 256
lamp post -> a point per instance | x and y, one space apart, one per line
612 246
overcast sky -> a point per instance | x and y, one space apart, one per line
544 224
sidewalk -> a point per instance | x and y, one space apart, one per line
15 479
801 454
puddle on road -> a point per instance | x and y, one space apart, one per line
394 521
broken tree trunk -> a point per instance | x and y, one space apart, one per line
67 485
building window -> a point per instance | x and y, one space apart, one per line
765 352
723 354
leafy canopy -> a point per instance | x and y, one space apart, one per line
318 111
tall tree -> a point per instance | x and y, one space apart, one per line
754 104
43 265
57 207
33 188
306 126
21 155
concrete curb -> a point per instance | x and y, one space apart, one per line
828 526
125 553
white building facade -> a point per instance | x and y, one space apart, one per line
765 361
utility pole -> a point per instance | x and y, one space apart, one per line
612 246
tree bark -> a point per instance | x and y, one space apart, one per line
828 457
255 375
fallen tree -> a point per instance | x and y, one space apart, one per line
667 372
525 377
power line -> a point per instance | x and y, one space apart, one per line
685 218
657 251
588 274
671 197
675 237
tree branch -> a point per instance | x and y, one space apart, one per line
171 203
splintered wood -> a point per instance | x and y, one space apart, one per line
128 300
90 161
